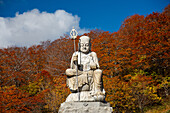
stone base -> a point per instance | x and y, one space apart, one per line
85 107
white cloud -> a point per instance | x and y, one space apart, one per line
34 26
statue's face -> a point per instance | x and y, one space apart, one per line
84 45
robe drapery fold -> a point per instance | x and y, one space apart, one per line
87 76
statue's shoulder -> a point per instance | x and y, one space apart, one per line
75 53
93 54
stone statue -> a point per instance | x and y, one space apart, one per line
88 94
90 82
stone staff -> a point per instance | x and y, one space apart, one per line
73 35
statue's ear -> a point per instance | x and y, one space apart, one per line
79 45
90 45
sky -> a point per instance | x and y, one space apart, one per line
28 22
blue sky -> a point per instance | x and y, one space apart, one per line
106 15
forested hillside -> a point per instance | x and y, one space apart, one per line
135 63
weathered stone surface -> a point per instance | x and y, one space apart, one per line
85 77
85 107
85 74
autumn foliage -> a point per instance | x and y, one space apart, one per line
134 60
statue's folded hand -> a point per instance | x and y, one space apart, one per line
93 65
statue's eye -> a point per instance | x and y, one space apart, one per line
87 44
82 45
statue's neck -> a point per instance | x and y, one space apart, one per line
85 53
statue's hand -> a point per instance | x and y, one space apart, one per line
93 65
75 58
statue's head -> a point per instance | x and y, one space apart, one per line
84 44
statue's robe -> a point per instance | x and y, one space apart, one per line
85 74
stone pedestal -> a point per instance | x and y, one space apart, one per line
85 107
